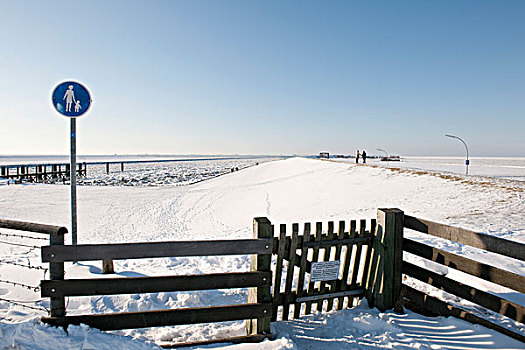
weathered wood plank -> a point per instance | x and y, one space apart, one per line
32 227
108 267
483 241
255 338
56 272
132 285
325 256
281 252
326 243
262 230
308 298
484 271
487 300
302 270
346 261
290 269
159 318
337 256
315 257
374 265
87 252
419 302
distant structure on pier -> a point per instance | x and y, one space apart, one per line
325 155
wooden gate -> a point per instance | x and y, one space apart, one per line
322 269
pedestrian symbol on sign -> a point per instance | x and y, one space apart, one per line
71 99
69 96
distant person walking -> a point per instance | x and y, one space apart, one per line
357 157
363 154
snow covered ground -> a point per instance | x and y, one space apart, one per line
285 191
512 168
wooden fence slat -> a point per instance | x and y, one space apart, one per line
315 256
419 302
487 300
346 263
132 285
337 256
484 271
483 241
367 254
87 252
373 267
325 256
281 252
302 269
356 267
159 318
290 270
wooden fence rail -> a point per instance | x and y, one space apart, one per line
420 302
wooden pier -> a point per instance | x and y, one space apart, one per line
40 172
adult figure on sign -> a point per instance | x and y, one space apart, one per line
69 96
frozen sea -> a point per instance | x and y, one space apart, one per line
147 170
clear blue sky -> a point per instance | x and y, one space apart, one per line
266 77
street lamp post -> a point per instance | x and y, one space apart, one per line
382 150
467 162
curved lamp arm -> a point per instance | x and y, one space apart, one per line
460 139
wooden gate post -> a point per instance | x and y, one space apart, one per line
56 272
262 228
383 282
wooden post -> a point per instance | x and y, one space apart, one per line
3 171
56 272
262 228
107 168
121 166
383 281
107 267
85 169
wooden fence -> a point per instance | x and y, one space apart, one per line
322 270
420 302
257 311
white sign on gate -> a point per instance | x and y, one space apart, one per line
325 271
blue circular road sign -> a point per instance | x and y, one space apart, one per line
71 99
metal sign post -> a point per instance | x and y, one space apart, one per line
72 100
73 177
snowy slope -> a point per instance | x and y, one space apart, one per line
292 190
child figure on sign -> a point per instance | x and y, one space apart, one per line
78 107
